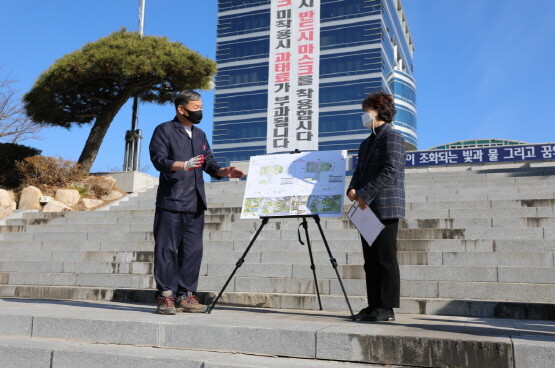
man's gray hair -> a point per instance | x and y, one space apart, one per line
184 97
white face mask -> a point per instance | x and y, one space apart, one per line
367 120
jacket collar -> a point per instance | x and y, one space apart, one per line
177 125
373 145
378 137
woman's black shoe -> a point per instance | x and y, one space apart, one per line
379 315
363 312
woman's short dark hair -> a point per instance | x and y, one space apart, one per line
184 97
381 102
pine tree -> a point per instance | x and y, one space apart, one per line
93 83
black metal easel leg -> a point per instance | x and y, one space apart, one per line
334 264
312 266
238 264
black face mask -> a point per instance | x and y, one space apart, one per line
194 116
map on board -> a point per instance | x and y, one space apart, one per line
295 184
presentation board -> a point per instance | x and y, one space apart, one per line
304 183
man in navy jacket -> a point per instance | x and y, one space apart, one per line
180 151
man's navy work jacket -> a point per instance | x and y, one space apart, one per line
179 190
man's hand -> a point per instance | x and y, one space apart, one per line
193 163
231 172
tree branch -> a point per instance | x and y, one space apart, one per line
15 126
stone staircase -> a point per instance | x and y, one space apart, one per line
477 241
92 334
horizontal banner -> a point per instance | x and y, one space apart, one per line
532 152
529 152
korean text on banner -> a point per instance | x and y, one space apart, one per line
293 95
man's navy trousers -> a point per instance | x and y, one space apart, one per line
178 250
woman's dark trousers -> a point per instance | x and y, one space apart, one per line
382 269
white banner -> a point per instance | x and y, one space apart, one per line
294 70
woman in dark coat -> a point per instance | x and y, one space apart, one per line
379 183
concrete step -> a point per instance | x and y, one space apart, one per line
480 184
136 231
421 212
463 290
540 275
61 292
466 193
476 222
232 222
79 236
484 187
480 196
412 305
414 245
77 256
101 280
413 279
472 253
450 179
418 305
490 171
476 204
110 220
132 268
504 175
13 272
475 233
315 337
421 245
42 217
445 209
229 223
481 212
493 292
80 245
34 352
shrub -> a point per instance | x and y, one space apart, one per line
44 171
81 188
10 153
98 186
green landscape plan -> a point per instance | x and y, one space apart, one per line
295 184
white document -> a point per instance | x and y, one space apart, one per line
366 222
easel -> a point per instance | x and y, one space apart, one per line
304 224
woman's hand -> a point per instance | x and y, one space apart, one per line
352 195
361 204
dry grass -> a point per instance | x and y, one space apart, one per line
50 174
47 172
98 186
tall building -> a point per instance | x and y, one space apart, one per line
365 46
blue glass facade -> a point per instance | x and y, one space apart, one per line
365 46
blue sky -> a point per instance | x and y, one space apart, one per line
483 67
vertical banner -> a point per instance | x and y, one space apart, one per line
294 70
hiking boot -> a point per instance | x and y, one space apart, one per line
379 315
190 304
165 303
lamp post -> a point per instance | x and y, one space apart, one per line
133 136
